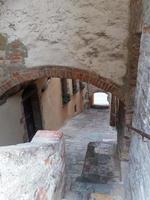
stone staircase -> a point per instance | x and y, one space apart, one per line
89 191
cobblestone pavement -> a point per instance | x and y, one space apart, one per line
90 126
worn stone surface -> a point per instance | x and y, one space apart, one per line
89 34
101 164
89 126
33 170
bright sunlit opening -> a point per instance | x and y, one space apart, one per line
101 99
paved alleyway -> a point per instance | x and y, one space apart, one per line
90 126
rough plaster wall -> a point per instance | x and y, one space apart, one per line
88 34
51 103
33 171
54 114
69 111
138 181
11 128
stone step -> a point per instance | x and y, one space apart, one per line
99 196
91 187
87 196
77 196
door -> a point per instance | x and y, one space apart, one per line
32 111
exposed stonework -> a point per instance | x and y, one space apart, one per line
16 52
87 34
139 162
12 53
12 56
135 30
33 170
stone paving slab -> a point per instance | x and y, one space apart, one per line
101 165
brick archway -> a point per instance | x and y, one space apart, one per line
29 74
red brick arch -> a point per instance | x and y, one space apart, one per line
29 74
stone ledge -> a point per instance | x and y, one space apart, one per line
33 171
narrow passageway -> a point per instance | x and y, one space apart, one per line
90 126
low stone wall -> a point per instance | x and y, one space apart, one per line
35 170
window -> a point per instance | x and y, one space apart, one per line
65 92
32 110
74 87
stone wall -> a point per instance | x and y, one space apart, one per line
33 170
125 117
89 34
138 181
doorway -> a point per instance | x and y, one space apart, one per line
32 110
100 100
